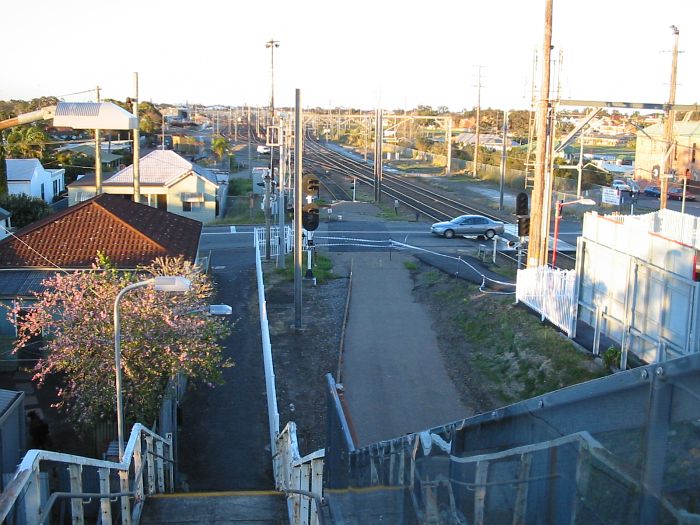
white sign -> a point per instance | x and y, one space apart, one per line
611 196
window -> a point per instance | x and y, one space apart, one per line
186 206
43 192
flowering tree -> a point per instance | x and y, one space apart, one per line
162 334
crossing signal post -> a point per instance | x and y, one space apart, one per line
523 213
310 217
310 184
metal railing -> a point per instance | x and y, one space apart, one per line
259 240
620 449
300 478
147 468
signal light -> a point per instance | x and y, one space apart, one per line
523 226
521 204
310 184
310 217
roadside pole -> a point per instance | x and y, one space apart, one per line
297 209
281 253
503 160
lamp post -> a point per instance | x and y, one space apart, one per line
162 284
557 219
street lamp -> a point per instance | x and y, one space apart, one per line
557 219
161 284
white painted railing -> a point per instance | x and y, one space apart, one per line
301 478
147 468
552 293
259 240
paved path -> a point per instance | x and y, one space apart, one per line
393 372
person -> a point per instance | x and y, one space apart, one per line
38 430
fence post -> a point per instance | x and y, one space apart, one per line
75 472
105 505
596 331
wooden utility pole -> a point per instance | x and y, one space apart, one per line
378 140
98 155
668 126
538 229
137 142
478 124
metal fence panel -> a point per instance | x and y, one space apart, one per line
552 293
620 449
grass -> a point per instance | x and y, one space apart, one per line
240 186
410 265
321 266
517 356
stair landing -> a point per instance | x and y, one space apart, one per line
216 508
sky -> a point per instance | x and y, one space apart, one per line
396 54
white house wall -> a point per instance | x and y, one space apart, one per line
640 285
202 211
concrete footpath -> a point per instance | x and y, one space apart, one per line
393 374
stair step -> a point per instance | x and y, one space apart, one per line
216 508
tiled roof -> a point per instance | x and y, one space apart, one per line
160 167
21 169
130 234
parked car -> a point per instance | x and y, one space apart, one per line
263 150
621 185
468 225
634 187
677 194
652 191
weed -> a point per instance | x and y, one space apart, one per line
410 265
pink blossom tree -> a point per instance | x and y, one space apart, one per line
162 334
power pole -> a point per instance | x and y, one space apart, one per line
478 125
378 139
137 141
448 144
503 160
271 45
668 125
538 229
250 161
297 210
280 197
98 155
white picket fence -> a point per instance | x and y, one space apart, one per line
259 240
552 293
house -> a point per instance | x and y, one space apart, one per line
129 234
28 176
652 148
167 181
108 159
486 140
5 223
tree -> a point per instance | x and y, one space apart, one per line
24 209
220 147
162 334
24 142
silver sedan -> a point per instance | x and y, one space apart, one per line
468 225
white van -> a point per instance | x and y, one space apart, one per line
263 150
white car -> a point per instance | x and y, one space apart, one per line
621 185
264 150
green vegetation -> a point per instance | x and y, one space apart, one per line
24 209
513 354
410 265
321 265
239 187
611 357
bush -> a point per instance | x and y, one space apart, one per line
24 209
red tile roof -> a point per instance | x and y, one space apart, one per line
130 234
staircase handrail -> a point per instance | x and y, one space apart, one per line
26 476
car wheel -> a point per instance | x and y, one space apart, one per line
449 234
490 234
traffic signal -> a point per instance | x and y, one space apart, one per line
310 185
521 204
523 226
310 217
